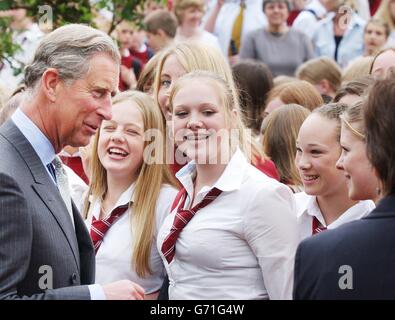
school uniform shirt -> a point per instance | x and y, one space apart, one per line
240 246
254 18
113 259
307 208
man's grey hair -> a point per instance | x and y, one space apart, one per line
69 49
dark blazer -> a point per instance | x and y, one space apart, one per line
36 230
354 261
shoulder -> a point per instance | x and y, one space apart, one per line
264 191
256 33
166 197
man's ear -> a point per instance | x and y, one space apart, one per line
50 81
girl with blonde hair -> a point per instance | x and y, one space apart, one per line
225 203
183 58
300 92
130 191
324 74
324 204
362 183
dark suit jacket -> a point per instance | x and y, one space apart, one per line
36 230
366 250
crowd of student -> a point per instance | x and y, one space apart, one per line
209 169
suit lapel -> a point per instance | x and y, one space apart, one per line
42 184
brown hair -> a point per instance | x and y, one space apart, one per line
379 116
356 87
300 92
254 81
280 130
318 69
146 79
161 19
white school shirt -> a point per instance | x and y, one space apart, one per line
307 208
240 246
253 18
113 259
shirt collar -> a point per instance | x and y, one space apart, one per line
34 135
126 197
312 209
357 211
231 178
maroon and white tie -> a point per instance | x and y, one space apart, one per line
317 226
182 218
99 227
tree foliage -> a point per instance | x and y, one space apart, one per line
63 12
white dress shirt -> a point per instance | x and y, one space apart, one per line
306 21
113 259
253 18
242 245
307 208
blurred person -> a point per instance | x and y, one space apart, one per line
324 74
324 204
386 13
27 34
280 48
278 136
145 83
357 68
300 92
130 66
68 89
375 36
340 34
314 11
189 14
129 191
221 192
160 28
353 91
254 81
231 21
383 63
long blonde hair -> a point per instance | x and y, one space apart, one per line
147 186
195 55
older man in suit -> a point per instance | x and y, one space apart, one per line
45 249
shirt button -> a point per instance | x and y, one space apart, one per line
74 278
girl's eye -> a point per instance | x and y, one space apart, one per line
181 114
298 149
132 132
165 83
109 128
315 151
208 112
